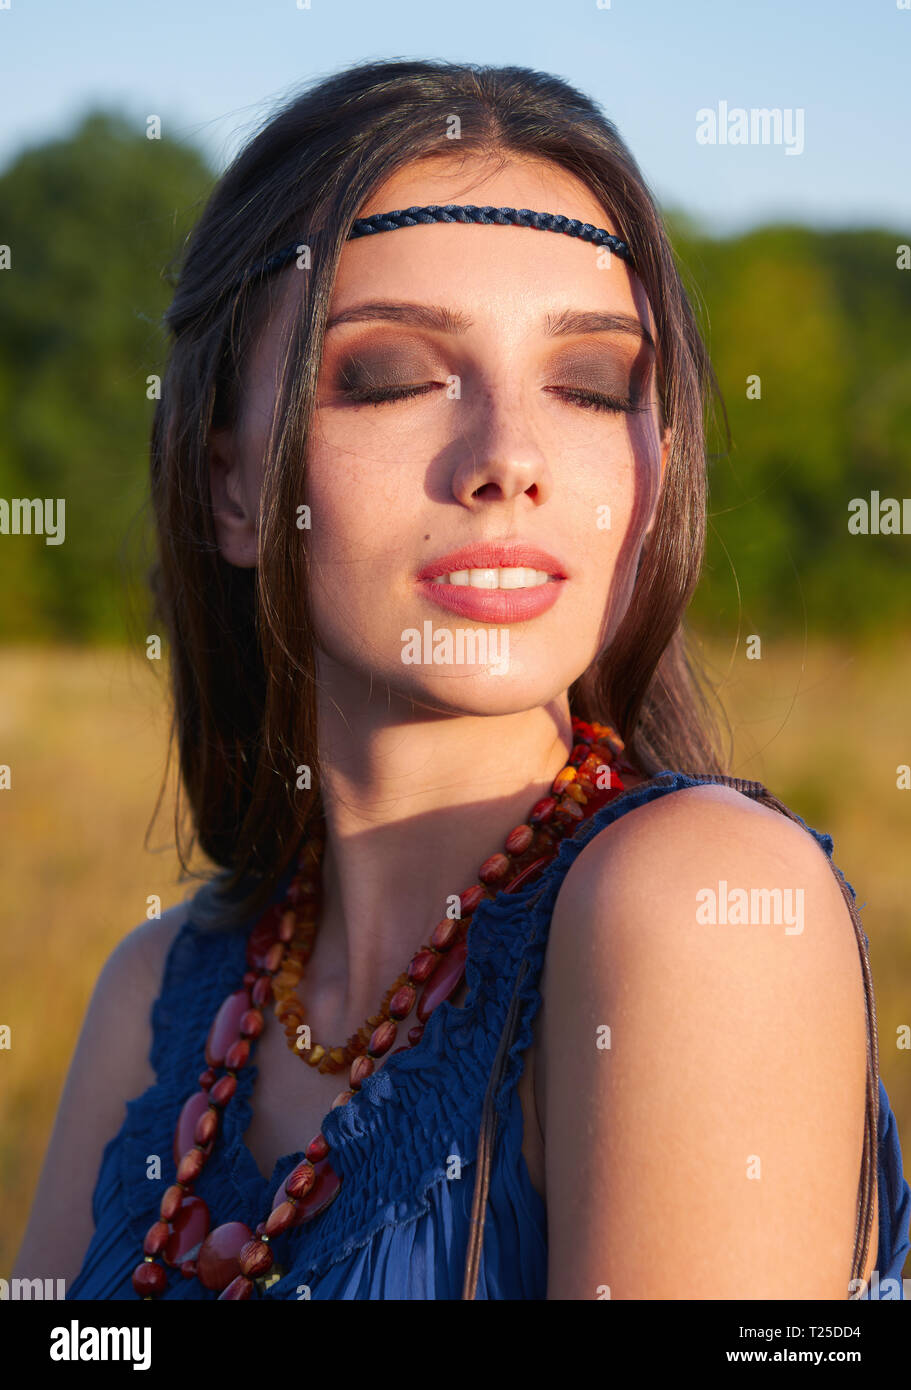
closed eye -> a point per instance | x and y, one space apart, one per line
588 400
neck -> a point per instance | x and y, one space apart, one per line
414 802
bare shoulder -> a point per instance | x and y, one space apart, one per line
705 1008
110 1065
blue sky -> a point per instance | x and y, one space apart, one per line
211 69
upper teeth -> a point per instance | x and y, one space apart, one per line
511 578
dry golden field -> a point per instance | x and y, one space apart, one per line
85 733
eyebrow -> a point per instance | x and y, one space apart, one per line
443 320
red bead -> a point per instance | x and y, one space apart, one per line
494 869
543 810
518 840
263 936
226 1026
415 1034
382 1038
445 933
149 1279
286 926
445 981
188 1269
262 991
402 1002
238 1055
206 1127
527 874
251 1025
299 1182
185 1133
318 1148
361 1068
223 1090
579 753
469 900
249 978
342 1098
422 966
156 1238
238 1288
281 1218
170 1202
324 1190
274 957
188 1229
207 1079
190 1166
255 1259
218 1260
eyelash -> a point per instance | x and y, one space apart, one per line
588 400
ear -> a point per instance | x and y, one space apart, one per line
235 528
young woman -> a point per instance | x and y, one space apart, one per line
430 497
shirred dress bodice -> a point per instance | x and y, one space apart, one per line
404 1145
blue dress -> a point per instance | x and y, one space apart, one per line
404 1146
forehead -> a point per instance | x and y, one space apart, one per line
489 272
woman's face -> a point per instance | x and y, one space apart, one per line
501 446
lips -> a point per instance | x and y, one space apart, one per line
494 605
495 555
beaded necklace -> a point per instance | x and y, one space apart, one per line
232 1260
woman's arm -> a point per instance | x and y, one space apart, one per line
714 1149
110 1066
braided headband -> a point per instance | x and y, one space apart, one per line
456 212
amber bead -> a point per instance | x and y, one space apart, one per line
149 1279
569 809
315 1055
562 780
445 933
156 1238
251 1025
262 991
299 1182
255 1259
402 1002
445 981
286 1007
190 1166
577 793
207 1079
185 1131
361 1068
170 1202
317 1149
382 1038
469 900
415 1034
188 1229
494 869
238 1288
223 1090
422 966
280 1219
238 1055
206 1127
225 1026
518 840
217 1261
579 753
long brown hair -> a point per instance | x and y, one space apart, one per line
242 666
